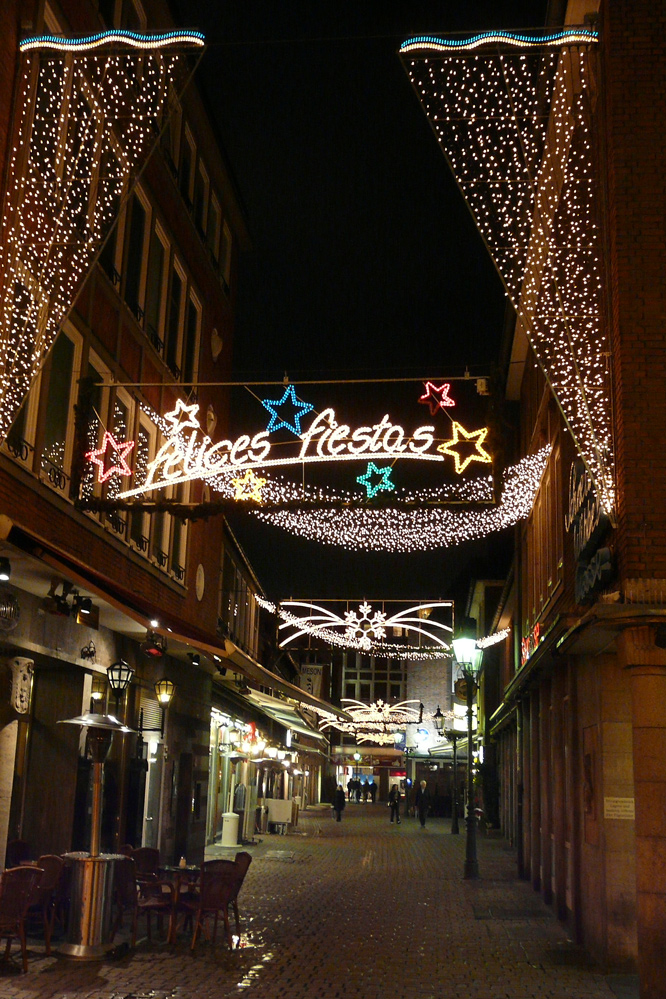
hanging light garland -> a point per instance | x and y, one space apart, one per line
88 121
422 528
515 124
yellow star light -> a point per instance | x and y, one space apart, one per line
249 486
459 436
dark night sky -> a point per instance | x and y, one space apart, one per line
365 260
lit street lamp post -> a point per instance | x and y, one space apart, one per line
469 656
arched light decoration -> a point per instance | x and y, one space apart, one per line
90 112
364 627
377 722
164 690
515 123
119 675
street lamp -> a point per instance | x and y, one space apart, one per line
452 735
469 656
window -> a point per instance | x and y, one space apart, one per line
225 254
542 547
191 349
136 240
201 199
214 226
139 524
95 401
156 279
178 536
187 160
174 320
57 412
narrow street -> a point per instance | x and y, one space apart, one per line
358 909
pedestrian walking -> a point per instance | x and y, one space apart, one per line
422 802
339 803
394 803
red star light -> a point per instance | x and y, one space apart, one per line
436 397
118 451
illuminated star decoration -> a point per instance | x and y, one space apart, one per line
276 421
119 449
460 435
182 416
249 486
384 479
436 397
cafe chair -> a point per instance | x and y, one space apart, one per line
17 888
147 861
217 888
221 881
141 898
42 904
242 861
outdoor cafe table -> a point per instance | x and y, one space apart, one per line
180 876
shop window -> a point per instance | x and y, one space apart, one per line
364 692
350 690
396 692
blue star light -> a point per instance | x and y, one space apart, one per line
384 479
276 421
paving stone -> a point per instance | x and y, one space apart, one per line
358 909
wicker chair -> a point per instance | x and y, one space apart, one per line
145 898
17 889
221 881
147 860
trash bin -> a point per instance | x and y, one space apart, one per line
91 887
229 829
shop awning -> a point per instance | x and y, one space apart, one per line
283 713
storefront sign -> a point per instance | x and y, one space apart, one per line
588 524
311 674
585 517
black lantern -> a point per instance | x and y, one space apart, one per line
119 675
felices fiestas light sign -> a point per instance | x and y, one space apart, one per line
187 453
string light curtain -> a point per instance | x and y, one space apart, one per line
513 113
90 112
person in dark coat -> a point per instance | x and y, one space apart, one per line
339 803
372 788
394 803
422 802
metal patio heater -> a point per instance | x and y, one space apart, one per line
89 928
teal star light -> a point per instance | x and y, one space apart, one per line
277 421
384 479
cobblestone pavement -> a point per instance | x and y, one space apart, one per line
360 909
